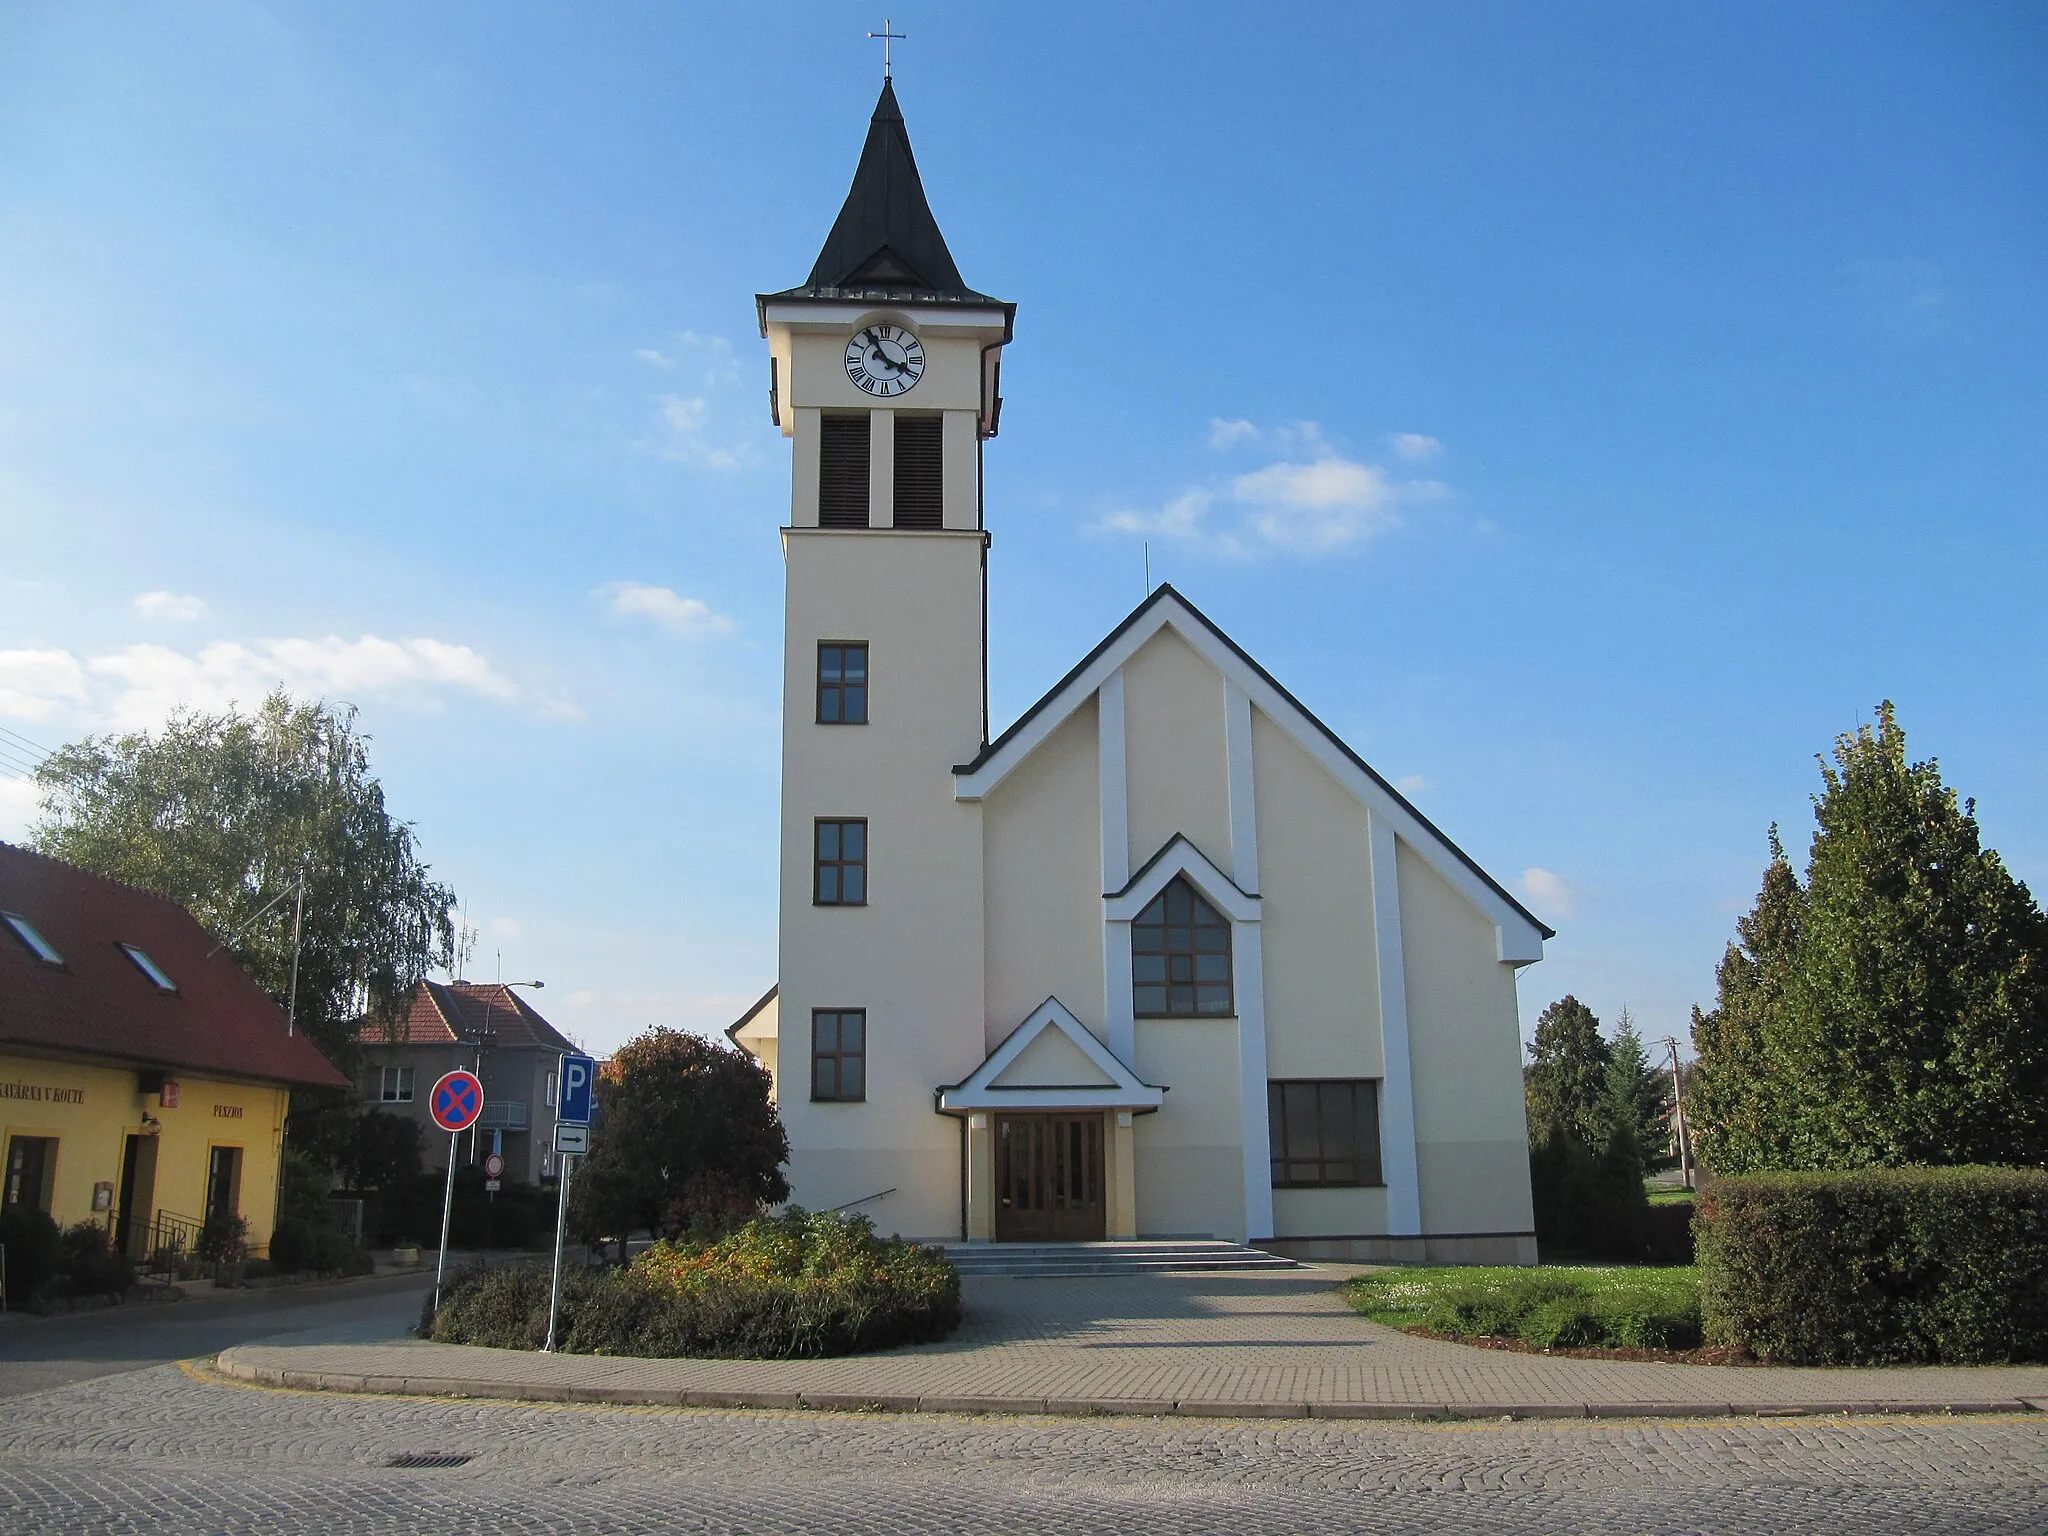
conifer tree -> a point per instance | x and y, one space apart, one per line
1567 1072
1894 1009
1633 1099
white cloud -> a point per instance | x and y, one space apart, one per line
655 358
35 685
701 425
1228 434
1414 446
138 685
1552 896
169 605
689 616
1310 500
17 808
504 928
1414 784
604 1020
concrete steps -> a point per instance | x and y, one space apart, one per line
1166 1256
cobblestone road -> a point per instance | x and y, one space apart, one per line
161 1450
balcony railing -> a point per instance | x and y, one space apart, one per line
503 1115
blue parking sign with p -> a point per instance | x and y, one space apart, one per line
573 1108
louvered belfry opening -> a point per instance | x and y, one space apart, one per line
843 472
920 472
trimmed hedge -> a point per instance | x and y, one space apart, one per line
1943 1266
795 1286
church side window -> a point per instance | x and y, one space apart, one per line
842 682
1180 956
1325 1133
839 1054
843 472
842 864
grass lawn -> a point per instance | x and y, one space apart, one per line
1668 1194
1548 1307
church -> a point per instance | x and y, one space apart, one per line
1162 958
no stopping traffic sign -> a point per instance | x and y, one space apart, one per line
457 1100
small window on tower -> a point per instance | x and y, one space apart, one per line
842 864
842 682
843 472
920 471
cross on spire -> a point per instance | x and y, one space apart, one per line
887 36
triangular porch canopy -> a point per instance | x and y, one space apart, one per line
1050 1061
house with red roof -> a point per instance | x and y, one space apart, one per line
493 1031
144 1077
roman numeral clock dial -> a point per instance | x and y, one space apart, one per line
884 360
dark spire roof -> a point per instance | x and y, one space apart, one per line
885 242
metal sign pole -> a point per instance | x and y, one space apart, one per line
561 1221
447 1212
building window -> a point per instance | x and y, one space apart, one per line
1325 1133
394 1085
843 682
843 471
920 472
223 1182
839 1054
842 858
38 946
149 968
1180 956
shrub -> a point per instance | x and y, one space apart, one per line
1884 1266
34 1253
224 1239
795 1286
298 1245
1550 1308
89 1264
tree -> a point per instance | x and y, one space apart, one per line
1894 1009
685 1131
382 1152
1634 1098
220 812
1567 1071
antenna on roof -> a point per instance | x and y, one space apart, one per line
888 36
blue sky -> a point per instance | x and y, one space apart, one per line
1587 410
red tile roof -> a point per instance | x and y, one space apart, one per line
99 1003
439 1012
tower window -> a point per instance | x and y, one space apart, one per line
920 471
842 864
842 682
839 1054
843 472
1180 956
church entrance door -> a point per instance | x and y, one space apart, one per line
1049 1179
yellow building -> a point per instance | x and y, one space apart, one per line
144 1078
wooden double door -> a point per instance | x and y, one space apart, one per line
1049 1178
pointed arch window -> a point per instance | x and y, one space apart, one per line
1180 956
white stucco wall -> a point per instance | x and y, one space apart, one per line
1189 1160
1315 872
1176 773
1042 852
1464 1039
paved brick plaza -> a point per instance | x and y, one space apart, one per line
1277 1340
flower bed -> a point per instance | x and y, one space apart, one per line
795 1286
1551 1307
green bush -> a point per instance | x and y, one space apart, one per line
1549 1307
298 1245
1883 1266
88 1263
34 1254
796 1286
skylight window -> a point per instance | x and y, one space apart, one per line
149 968
38 946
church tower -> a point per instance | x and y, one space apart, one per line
884 376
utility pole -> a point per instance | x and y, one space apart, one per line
1670 1043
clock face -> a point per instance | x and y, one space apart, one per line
884 360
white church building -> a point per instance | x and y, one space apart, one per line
1164 957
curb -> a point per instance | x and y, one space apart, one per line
1195 1408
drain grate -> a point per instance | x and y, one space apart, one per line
431 1459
